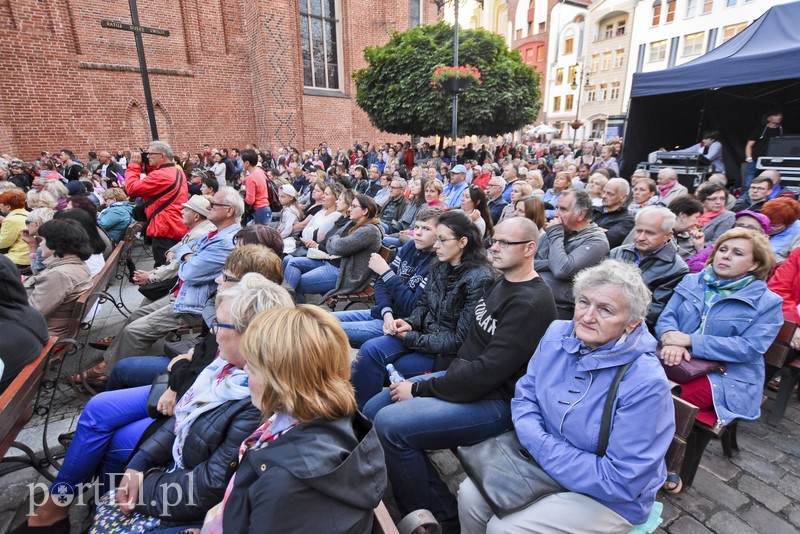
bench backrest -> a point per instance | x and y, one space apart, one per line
777 352
15 402
685 414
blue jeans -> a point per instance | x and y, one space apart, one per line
749 174
359 326
108 430
369 370
263 215
390 242
136 371
408 428
305 275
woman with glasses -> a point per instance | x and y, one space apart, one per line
192 451
715 219
429 338
12 204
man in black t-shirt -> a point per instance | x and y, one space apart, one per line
757 143
471 401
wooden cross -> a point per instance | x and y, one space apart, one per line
138 30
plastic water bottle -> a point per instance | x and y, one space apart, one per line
394 374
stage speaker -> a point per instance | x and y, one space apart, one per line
787 146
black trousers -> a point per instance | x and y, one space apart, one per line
160 247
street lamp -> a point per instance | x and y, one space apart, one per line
577 83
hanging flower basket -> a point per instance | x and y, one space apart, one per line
576 124
455 80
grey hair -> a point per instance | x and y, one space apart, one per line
623 275
582 202
41 199
252 295
56 188
622 183
401 181
233 198
164 148
40 215
668 217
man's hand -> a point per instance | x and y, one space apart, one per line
388 324
136 157
141 278
553 222
377 264
170 256
400 391
401 328
128 490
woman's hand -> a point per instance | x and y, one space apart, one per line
377 264
401 391
697 238
679 339
26 236
166 404
475 215
673 355
128 491
309 243
795 342
179 357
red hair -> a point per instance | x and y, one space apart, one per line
782 211
14 199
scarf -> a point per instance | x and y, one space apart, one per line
717 290
663 189
708 216
276 426
217 384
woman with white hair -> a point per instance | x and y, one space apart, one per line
558 407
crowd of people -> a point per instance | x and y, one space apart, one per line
525 280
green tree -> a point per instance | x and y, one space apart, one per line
395 89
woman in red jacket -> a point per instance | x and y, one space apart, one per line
786 283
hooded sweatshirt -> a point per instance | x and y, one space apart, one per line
24 329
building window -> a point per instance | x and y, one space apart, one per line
619 58
415 7
691 8
556 103
656 12
614 90
529 54
568 44
606 60
559 76
519 33
595 62
530 28
320 50
571 74
542 27
730 31
603 91
670 10
598 129
693 44
621 27
591 93
730 3
568 102
658 51
540 53
708 5
609 31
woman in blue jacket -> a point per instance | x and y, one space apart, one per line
725 313
117 215
558 407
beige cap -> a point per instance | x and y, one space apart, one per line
200 204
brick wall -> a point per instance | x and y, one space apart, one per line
229 74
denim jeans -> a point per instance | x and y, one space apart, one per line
136 371
408 428
369 370
390 242
359 326
749 174
263 215
295 269
108 430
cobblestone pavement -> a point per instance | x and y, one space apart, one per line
758 490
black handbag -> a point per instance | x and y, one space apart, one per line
160 385
506 474
157 290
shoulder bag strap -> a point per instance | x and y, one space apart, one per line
608 409
162 207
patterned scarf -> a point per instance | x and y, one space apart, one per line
276 426
717 290
217 384
708 216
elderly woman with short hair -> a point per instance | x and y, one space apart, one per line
558 407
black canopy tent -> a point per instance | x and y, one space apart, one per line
728 89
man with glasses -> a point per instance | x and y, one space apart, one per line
455 189
393 211
163 190
471 401
756 195
399 285
494 191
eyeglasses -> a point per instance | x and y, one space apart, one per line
355 206
502 243
758 188
215 204
396 187
230 278
153 154
215 326
446 239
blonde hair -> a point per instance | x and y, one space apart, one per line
40 199
525 188
762 251
253 294
116 193
258 259
56 188
303 357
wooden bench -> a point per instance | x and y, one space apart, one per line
362 297
685 414
383 524
15 402
776 357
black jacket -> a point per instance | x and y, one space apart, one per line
321 476
210 454
617 223
662 271
442 317
24 330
